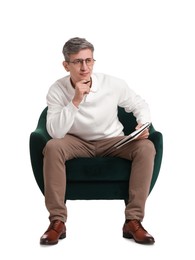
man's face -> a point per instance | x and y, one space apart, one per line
80 65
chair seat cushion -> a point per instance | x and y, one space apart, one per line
94 169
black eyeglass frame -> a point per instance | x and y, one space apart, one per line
80 61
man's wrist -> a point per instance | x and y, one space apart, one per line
76 103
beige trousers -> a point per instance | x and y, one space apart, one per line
58 151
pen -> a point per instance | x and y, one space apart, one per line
87 81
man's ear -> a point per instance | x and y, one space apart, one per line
65 65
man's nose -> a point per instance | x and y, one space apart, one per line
83 65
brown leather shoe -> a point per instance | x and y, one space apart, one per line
133 229
55 231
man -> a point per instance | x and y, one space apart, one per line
82 121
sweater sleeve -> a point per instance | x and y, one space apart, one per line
132 102
60 116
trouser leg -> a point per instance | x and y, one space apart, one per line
141 153
56 153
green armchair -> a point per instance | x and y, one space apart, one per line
93 178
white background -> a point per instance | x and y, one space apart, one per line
150 44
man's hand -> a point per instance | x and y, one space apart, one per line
81 89
144 134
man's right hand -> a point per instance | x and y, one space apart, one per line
81 89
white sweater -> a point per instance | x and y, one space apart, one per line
96 118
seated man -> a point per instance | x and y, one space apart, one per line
82 120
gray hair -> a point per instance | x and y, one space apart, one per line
74 45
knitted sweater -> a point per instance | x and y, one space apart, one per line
96 117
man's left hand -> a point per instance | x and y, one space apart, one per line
144 134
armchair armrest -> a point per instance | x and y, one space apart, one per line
38 140
157 139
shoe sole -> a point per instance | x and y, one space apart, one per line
129 236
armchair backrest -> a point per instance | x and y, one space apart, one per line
127 119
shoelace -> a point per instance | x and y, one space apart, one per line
53 225
138 225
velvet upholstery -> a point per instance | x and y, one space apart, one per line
93 178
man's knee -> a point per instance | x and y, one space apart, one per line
147 146
51 145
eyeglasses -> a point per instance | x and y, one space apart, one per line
79 62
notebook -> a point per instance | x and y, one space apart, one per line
132 136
